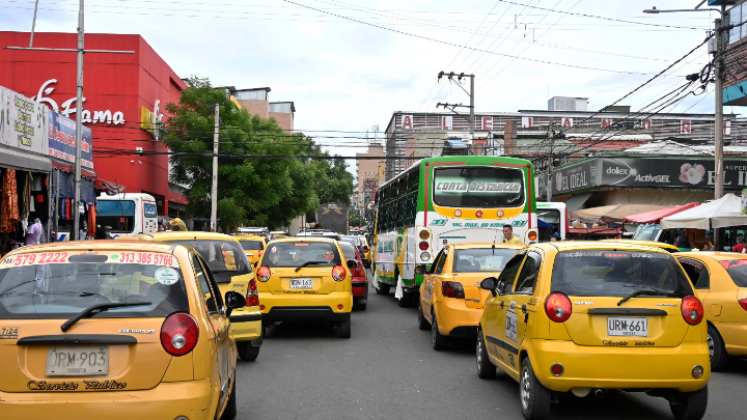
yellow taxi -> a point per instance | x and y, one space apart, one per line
663 245
229 265
366 248
306 279
584 317
253 245
720 279
119 330
451 300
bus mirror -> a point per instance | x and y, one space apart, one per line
420 269
489 284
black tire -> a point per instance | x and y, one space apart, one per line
247 352
343 328
485 368
423 324
360 306
438 340
717 349
689 405
383 289
230 412
267 330
535 398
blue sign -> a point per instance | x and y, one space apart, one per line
62 140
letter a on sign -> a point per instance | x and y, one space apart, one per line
646 124
687 127
447 123
487 123
606 123
527 122
407 122
567 122
727 128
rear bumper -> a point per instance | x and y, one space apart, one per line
456 319
280 307
305 313
359 287
246 323
620 367
196 400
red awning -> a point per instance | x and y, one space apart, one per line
656 215
594 231
70 168
109 188
178 198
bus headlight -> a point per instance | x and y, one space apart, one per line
425 256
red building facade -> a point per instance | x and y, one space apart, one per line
123 94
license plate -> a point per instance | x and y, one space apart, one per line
78 361
305 283
627 326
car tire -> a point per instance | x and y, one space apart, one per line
485 368
438 340
360 306
383 289
343 328
535 398
247 352
717 349
423 324
230 412
689 405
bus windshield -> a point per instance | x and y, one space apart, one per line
487 187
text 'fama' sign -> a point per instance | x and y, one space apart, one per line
480 187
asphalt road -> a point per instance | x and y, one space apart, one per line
388 370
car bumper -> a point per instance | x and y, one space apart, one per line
456 319
246 324
359 288
306 307
620 367
195 400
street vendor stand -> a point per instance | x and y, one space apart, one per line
724 216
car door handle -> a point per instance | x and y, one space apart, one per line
524 308
501 304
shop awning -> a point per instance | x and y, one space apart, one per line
175 197
24 161
575 202
594 231
613 213
70 168
656 215
724 212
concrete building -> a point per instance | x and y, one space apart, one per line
735 59
367 174
257 102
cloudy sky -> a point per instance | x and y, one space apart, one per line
349 64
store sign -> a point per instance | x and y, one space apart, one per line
447 123
487 123
98 117
23 122
150 121
62 140
407 122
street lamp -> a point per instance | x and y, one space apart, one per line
718 188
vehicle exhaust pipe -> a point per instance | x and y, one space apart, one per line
599 393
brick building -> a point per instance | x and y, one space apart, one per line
257 102
367 174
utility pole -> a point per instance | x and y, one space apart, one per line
718 188
471 95
214 194
550 136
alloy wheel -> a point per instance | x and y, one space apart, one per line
525 388
711 346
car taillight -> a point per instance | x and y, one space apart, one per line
263 274
558 307
692 310
365 249
338 273
179 334
743 302
423 246
252 295
259 253
452 289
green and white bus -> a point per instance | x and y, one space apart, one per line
445 200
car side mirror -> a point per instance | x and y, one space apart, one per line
352 264
489 284
234 300
420 269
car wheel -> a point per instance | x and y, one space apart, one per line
343 328
230 412
383 289
247 352
716 348
689 405
360 306
423 324
485 368
535 398
438 340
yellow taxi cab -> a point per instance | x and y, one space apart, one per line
663 245
119 330
451 300
366 248
229 265
253 245
584 317
306 279
720 279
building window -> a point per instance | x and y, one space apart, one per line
736 16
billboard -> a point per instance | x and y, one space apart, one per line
62 140
23 122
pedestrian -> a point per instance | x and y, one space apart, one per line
508 235
108 232
707 245
34 233
739 247
555 237
683 243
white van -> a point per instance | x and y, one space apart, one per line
555 214
127 214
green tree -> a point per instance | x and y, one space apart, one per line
336 186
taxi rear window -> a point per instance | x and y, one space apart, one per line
49 285
294 254
618 273
737 270
481 260
251 245
224 258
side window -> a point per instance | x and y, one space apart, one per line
697 272
205 288
529 273
442 262
508 275
214 285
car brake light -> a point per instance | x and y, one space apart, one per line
365 249
259 253
452 289
423 246
743 302
179 334
263 274
692 310
338 273
252 295
558 307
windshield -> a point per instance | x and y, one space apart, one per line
737 270
348 251
119 214
481 260
352 239
222 257
149 209
647 233
251 245
60 284
293 254
549 216
478 187
617 273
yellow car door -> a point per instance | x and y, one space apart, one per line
494 317
431 279
519 310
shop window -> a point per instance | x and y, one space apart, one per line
736 16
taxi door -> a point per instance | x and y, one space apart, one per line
432 279
519 310
495 315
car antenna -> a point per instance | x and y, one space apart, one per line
494 241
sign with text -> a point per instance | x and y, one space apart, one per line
62 140
23 122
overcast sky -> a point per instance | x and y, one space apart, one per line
348 76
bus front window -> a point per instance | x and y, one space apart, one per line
478 187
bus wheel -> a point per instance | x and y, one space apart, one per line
383 289
408 299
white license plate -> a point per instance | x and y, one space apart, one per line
78 361
304 283
627 326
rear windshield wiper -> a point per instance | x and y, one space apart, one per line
101 307
307 263
646 291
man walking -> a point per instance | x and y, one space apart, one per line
508 235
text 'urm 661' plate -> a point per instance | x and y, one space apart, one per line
624 326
